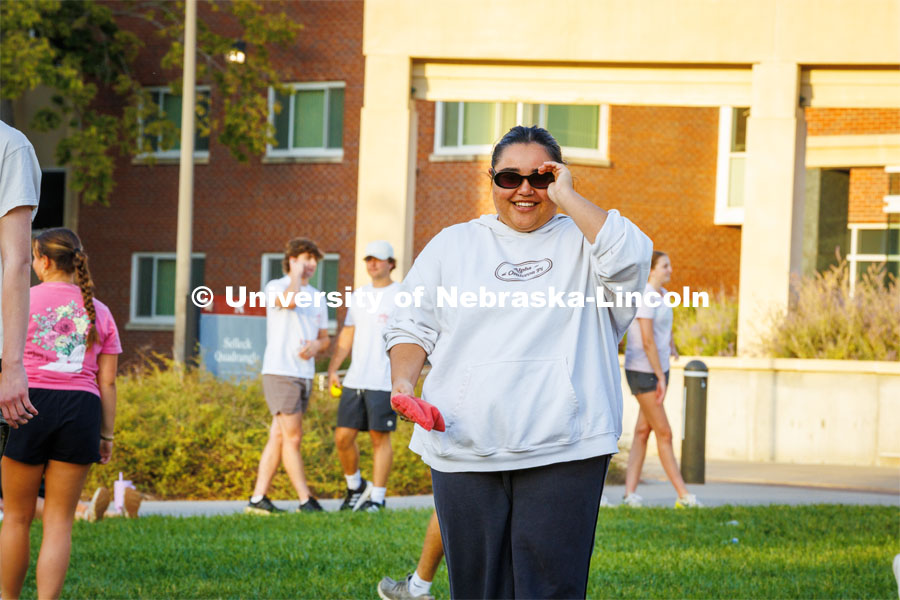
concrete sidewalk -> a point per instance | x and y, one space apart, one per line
732 482
727 482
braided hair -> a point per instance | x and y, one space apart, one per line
63 247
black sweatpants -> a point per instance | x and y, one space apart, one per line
527 533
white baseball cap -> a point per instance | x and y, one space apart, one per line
379 249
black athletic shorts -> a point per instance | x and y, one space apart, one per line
641 383
366 410
66 428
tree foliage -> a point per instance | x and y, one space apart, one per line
85 54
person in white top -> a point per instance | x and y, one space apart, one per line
20 188
296 330
647 351
526 381
366 396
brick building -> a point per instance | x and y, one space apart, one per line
675 170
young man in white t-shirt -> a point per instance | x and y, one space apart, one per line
366 396
296 330
20 189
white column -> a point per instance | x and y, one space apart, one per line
387 160
771 237
185 183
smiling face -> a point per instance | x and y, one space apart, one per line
524 208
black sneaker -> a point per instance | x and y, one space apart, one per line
263 507
355 498
311 505
371 506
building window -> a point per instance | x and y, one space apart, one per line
731 165
153 286
473 127
310 121
169 109
325 278
52 207
873 244
892 200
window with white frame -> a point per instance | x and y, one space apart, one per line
169 109
153 286
892 200
873 244
731 165
310 121
325 278
473 127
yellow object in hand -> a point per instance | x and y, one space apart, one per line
336 390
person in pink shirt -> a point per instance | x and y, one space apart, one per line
71 356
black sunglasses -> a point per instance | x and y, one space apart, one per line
510 180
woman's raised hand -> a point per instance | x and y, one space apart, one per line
562 179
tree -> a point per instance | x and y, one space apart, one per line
82 51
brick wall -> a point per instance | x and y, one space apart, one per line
868 187
662 176
852 121
241 210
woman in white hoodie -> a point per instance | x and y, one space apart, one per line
514 313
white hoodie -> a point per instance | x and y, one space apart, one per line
521 387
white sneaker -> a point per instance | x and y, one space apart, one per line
633 500
604 503
688 501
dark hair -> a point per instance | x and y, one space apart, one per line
296 247
63 247
527 135
656 256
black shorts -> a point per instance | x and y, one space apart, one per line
366 410
66 428
641 383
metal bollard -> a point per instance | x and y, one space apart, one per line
693 436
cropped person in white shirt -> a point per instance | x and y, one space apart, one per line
647 352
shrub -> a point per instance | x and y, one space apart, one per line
825 321
182 433
707 331
185 434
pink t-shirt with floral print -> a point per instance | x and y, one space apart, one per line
56 353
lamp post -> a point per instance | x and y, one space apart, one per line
238 52
185 185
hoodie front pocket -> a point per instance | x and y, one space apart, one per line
515 406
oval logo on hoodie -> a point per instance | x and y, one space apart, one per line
531 269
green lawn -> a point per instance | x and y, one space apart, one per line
781 552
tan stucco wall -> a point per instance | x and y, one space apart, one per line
789 410
833 32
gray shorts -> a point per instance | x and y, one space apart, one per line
366 410
641 383
286 395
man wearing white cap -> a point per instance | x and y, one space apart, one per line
366 396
